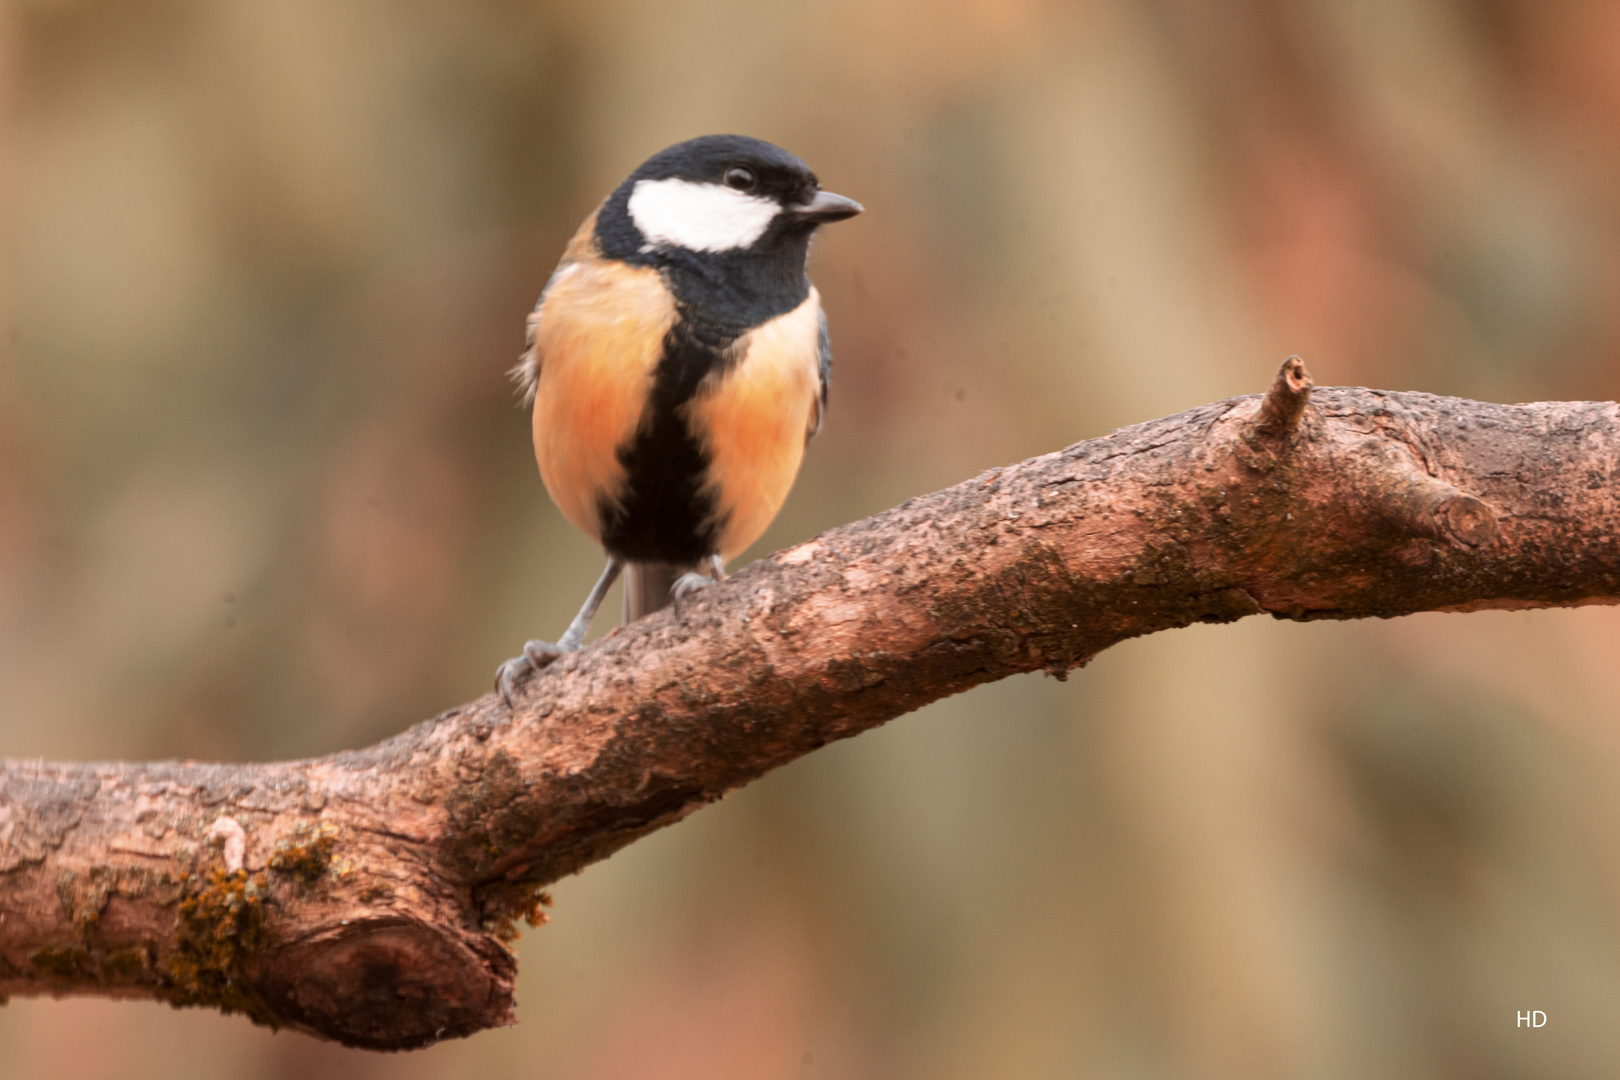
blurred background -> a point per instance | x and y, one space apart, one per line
265 492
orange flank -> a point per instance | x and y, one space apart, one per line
597 341
755 421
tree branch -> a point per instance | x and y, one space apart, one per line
368 896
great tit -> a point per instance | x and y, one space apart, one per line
677 363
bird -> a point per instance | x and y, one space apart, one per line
677 363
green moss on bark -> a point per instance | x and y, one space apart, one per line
221 928
307 853
503 904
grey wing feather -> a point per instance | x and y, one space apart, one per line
824 358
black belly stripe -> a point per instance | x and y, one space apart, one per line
664 514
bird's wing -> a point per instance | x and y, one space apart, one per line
824 369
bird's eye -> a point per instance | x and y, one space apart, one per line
740 178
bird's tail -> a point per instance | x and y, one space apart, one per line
646 588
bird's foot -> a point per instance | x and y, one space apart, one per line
686 585
537 654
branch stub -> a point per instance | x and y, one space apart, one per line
1285 402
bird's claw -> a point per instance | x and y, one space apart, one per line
541 653
686 585
536 655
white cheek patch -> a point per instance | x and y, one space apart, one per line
698 217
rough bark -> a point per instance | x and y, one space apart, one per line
368 896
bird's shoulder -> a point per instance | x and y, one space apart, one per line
591 299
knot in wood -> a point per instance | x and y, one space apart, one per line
390 984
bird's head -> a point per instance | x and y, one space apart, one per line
718 194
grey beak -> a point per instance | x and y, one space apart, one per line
827 207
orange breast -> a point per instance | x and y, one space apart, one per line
597 338
754 420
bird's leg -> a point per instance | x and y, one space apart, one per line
574 636
691 582
537 654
